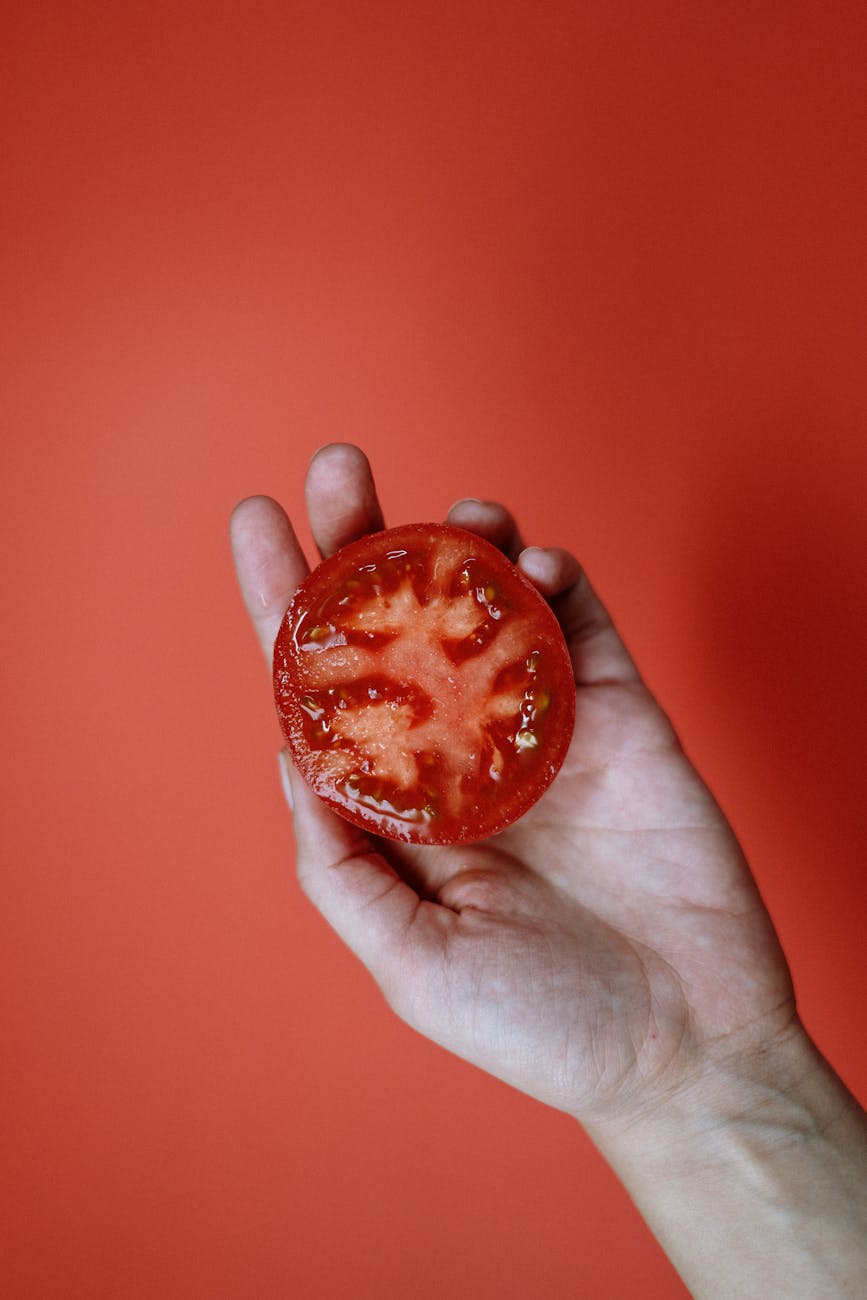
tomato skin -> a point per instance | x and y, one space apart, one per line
424 686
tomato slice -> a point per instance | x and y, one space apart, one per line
424 685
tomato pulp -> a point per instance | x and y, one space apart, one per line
424 685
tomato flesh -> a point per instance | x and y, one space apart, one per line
424 685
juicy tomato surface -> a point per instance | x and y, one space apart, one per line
424 685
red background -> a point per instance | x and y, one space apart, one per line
603 260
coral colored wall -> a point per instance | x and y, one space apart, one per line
603 260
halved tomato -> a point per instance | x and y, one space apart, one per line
424 685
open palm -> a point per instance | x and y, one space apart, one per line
606 948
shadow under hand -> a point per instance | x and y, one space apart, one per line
784 625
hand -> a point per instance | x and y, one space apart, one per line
607 948
608 953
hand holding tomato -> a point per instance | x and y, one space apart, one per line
613 930
608 952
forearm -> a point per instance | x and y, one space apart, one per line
755 1183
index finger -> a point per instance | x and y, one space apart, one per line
269 563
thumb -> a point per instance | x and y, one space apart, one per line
344 875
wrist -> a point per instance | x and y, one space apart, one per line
752 1176
776 1090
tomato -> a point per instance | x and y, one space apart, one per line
424 685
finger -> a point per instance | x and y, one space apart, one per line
597 651
490 520
373 910
269 563
341 497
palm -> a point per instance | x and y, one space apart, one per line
592 951
593 947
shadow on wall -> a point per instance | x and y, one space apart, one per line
784 600
780 592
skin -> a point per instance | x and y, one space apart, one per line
609 953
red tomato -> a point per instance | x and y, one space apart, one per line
424 685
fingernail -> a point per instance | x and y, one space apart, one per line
466 501
283 761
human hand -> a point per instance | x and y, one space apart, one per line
605 951
608 953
